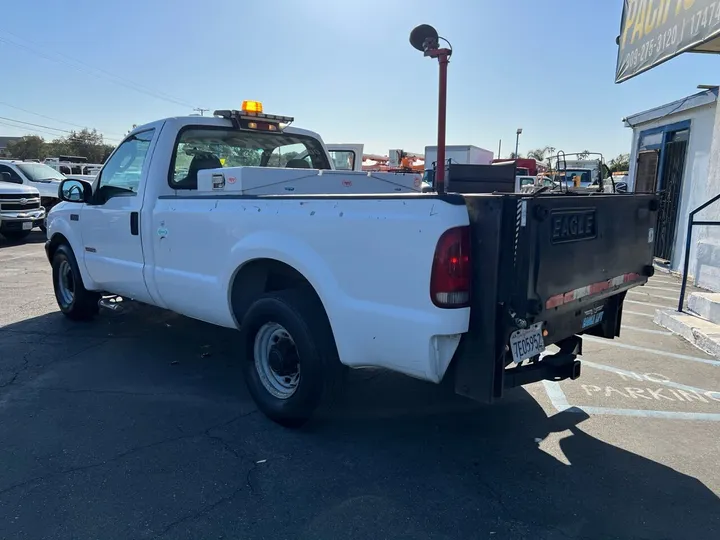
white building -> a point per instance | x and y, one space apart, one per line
672 147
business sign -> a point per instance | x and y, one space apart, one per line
654 31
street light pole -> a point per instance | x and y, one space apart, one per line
517 141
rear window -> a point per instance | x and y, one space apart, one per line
211 148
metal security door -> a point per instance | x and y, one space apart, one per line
670 189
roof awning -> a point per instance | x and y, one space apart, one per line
654 31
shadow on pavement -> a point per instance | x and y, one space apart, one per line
142 428
35 237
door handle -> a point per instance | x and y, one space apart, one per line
134 223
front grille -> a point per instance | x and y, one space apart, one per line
34 205
17 196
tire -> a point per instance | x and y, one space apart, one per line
299 314
16 236
80 304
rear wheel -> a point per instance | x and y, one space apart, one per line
74 300
16 236
291 364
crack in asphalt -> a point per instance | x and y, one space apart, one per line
26 362
124 454
209 508
204 510
235 453
12 379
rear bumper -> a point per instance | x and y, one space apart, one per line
483 366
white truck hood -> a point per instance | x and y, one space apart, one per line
47 188
9 187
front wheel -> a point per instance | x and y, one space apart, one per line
74 300
16 236
291 364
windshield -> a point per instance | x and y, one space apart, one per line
39 171
203 148
584 174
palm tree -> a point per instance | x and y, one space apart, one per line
540 154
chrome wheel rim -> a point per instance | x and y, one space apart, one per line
66 284
276 360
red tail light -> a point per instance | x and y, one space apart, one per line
451 275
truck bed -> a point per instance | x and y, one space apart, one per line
564 261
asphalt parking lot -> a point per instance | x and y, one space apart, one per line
138 426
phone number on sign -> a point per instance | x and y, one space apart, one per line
653 48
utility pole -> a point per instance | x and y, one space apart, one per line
499 149
517 141
200 110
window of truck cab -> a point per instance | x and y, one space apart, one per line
213 147
120 177
344 160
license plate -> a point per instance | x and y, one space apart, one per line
27 225
527 342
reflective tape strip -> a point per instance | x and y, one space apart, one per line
590 290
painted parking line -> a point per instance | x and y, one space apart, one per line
649 304
651 295
669 354
561 404
654 288
652 377
646 330
630 312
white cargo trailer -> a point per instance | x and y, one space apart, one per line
461 154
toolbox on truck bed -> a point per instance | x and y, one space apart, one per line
546 269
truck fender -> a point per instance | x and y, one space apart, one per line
289 250
61 228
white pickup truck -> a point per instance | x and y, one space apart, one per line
36 175
20 209
239 220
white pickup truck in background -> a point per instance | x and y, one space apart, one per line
239 220
20 210
36 175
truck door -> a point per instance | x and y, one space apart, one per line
113 251
346 157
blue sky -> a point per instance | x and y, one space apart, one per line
344 69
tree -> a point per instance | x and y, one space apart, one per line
85 143
620 163
513 155
28 147
540 154
583 155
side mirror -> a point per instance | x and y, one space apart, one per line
71 190
5 177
